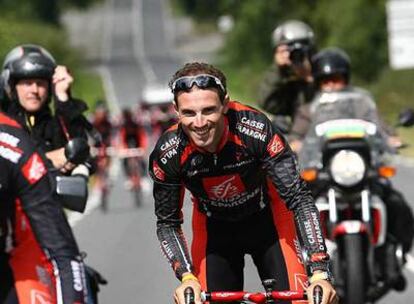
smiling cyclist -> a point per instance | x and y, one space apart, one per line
246 191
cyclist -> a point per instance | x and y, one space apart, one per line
288 83
42 265
131 135
246 191
32 80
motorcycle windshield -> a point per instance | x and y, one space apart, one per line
342 114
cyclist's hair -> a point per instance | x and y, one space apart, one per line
196 68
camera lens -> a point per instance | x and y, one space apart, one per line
298 52
297 56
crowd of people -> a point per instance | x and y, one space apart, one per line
239 166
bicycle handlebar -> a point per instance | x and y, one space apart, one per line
255 297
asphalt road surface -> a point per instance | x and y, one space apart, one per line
137 48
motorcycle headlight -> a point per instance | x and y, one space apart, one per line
347 168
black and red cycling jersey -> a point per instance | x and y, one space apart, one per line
26 193
132 135
252 162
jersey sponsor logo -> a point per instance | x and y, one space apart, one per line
301 281
9 139
77 275
298 249
169 149
223 187
251 132
252 123
40 297
275 146
158 172
237 200
34 169
313 231
10 153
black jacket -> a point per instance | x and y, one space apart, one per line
51 131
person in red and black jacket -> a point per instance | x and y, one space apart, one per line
41 264
132 135
246 190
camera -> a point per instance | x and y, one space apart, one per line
298 51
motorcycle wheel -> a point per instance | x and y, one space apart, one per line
354 269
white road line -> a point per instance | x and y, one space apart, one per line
410 263
137 24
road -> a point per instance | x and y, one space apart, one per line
137 48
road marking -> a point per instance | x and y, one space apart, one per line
138 37
410 263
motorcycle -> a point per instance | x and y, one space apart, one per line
345 160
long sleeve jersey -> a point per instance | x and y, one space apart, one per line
252 160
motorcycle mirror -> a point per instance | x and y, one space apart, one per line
77 150
406 118
72 192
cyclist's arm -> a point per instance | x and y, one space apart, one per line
168 196
33 187
281 166
168 202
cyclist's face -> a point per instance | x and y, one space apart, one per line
32 93
201 114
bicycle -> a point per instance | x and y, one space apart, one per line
253 297
102 175
133 158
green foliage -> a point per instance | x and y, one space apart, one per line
15 31
357 26
47 11
88 87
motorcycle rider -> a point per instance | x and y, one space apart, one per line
288 83
42 264
332 71
243 179
32 80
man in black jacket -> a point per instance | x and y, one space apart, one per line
31 80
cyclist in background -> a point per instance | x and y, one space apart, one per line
132 136
248 196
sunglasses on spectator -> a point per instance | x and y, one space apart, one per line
202 81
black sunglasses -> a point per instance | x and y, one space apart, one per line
203 81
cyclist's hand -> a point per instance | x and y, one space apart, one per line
179 292
328 292
62 81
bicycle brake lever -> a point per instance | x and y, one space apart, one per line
189 296
317 294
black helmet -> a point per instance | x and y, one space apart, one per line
292 31
27 61
331 61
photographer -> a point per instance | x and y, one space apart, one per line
288 83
